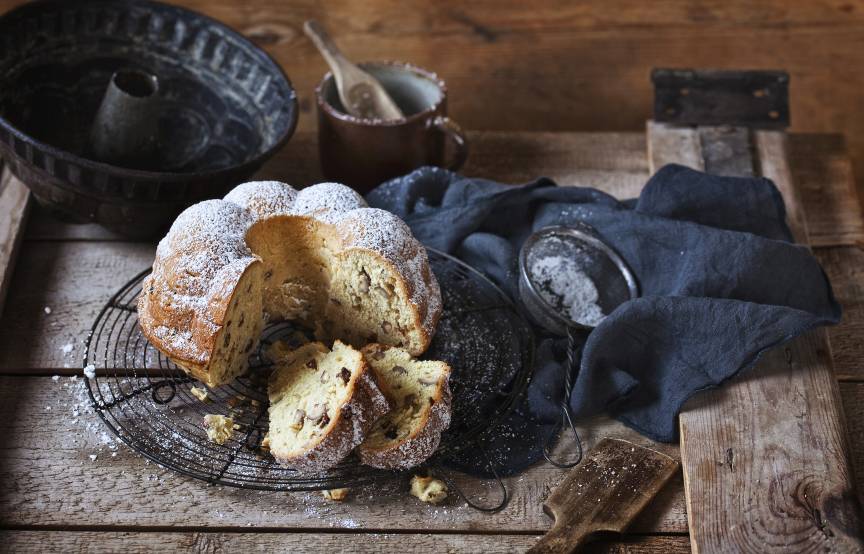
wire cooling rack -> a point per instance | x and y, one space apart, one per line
147 401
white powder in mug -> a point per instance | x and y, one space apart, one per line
562 284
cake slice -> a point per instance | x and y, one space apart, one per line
322 404
419 393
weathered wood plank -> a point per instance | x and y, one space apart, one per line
853 406
206 542
51 481
72 280
14 207
845 268
822 172
666 142
766 458
613 162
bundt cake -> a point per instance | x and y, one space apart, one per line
318 256
419 393
322 404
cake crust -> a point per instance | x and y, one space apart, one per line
424 436
204 268
351 420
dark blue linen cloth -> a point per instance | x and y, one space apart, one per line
720 279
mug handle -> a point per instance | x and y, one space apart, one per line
454 132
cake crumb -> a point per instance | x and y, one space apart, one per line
428 489
67 348
93 457
219 428
47 310
200 394
335 494
90 371
55 378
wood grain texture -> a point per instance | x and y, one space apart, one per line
75 279
52 481
671 144
14 207
823 175
845 268
604 493
766 460
132 542
853 407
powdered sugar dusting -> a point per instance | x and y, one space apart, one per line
563 285
204 248
327 201
205 254
385 233
264 198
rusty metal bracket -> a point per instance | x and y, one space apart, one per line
754 99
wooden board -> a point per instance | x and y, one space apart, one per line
766 459
603 494
132 542
14 207
845 268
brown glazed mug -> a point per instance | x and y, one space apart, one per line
363 153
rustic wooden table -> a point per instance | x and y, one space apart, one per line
66 483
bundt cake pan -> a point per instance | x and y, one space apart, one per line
224 107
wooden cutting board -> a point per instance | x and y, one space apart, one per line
603 493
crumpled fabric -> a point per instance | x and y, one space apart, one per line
720 278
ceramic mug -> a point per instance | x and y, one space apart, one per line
363 153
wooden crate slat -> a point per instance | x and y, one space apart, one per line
766 460
845 267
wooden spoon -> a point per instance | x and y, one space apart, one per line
361 94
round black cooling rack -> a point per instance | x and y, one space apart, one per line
149 403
